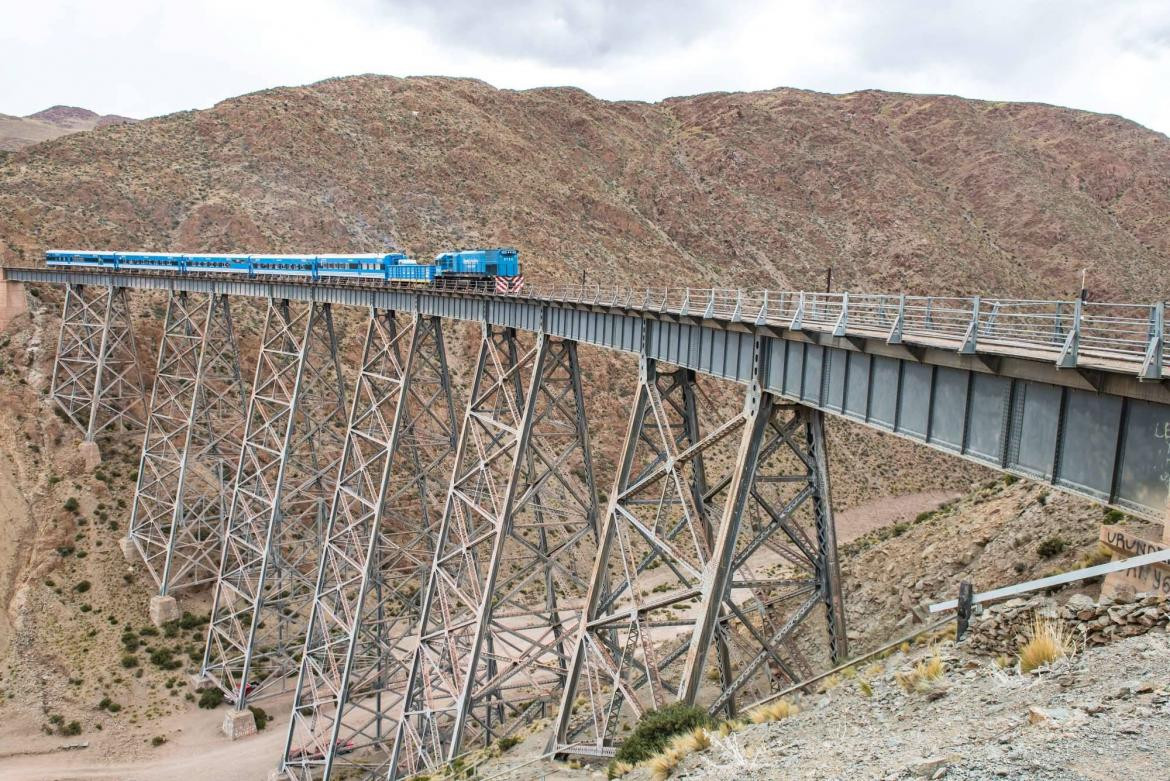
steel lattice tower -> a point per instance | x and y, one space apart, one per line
97 380
378 551
285 480
192 444
520 527
687 562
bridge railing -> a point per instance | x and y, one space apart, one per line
1129 333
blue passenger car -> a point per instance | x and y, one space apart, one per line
484 268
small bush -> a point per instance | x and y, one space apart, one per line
1047 642
164 659
158 740
1113 516
129 661
210 699
656 728
82 587
71 504
1053 546
507 742
72 728
260 715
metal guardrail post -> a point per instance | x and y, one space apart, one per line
895 336
971 337
843 318
1155 347
737 313
710 310
686 304
1072 343
762 317
798 317
966 605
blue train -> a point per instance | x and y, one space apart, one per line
497 268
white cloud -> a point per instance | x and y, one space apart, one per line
143 58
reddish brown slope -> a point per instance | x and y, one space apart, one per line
894 191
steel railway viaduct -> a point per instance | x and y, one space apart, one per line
427 576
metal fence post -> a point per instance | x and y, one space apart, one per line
1152 364
970 338
1072 343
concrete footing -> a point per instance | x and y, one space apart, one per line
239 724
129 552
12 301
163 609
91 455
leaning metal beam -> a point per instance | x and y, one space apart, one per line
96 380
509 573
379 546
284 482
192 444
740 567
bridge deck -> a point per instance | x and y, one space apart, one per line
1063 392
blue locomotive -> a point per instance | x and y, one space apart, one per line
497 268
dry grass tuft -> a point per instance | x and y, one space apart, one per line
773 711
919 679
1099 555
1048 641
662 766
619 769
864 687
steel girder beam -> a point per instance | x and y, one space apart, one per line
192 445
378 552
683 563
510 570
97 380
287 472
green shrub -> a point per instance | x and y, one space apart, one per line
1010 479
260 715
656 728
158 740
82 587
72 728
1053 546
210 698
71 504
164 658
507 742
129 660
1113 516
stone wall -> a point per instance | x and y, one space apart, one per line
1002 628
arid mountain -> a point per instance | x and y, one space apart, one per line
894 191
54 122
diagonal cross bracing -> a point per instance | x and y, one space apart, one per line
284 482
510 571
192 444
97 380
378 552
684 566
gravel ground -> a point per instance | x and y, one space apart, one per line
1102 715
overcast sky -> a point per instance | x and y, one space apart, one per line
148 57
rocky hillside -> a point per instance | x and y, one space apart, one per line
54 122
894 191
